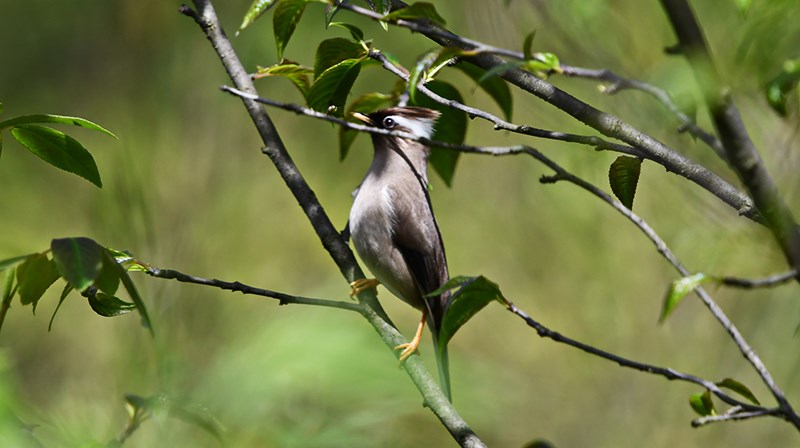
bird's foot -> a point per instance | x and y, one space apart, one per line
409 348
362 284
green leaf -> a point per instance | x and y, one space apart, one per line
702 403
8 262
58 149
59 119
64 293
739 388
137 300
623 175
79 260
679 289
779 87
543 63
528 44
284 21
416 75
429 64
445 57
257 8
108 278
34 276
108 305
355 31
329 92
494 86
419 10
333 51
126 261
473 294
297 74
451 128
365 104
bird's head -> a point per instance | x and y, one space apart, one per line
417 121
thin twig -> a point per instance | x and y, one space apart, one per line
744 347
300 110
499 123
618 83
283 298
562 174
766 282
742 153
331 239
734 414
606 123
667 373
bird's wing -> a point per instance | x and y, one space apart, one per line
416 235
417 238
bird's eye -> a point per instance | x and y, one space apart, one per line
389 123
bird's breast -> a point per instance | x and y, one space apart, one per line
372 226
372 221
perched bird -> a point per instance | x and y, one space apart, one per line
392 224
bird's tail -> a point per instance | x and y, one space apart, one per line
443 364
440 305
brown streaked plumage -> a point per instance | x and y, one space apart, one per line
392 224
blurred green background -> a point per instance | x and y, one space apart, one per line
187 188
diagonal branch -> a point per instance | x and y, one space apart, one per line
562 174
607 124
499 123
618 83
744 347
741 152
334 243
665 372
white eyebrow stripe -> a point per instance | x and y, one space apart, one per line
418 127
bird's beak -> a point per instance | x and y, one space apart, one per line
361 117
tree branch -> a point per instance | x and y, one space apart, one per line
340 252
667 373
741 152
284 299
618 83
744 347
766 282
499 123
605 123
661 247
733 414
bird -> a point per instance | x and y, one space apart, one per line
393 227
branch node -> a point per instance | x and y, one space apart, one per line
551 179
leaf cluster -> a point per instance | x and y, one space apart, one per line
87 267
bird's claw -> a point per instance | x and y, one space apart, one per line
409 348
362 284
